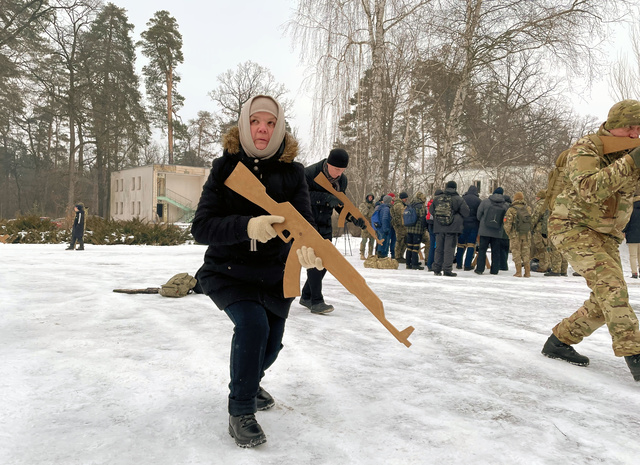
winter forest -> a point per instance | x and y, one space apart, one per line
414 90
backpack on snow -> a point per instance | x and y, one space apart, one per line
494 218
409 215
178 286
522 223
375 218
443 212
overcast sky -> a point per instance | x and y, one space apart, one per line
217 36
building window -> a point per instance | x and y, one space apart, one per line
139 182
133 208
133 183
121 189
138 208
478 185
494 185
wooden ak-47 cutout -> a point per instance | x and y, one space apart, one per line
613 144
243 182
348 206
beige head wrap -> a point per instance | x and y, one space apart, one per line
254 105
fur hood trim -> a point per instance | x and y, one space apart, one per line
231 144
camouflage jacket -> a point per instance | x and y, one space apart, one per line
397 209
510 218
598 190
538 216
367 208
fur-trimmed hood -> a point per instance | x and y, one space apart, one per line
231 144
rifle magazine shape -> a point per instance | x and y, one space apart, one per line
244 183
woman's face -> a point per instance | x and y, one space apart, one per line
262 125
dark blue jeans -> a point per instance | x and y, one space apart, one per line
256 342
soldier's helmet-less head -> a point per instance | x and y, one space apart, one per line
624 114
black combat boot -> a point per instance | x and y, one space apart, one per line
633 362
554 348
264 400
246 431
450 273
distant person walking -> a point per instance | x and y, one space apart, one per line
77 231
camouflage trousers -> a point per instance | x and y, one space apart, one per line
520 249
367 238
540 251
597 258
401 242
557 262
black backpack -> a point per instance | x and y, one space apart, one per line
443 210
522 220
494 218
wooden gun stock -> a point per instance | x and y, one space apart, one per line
243 182
613 144
349 207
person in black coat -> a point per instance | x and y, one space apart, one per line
447 234
491 230
77 231
467 240
323 204
244 264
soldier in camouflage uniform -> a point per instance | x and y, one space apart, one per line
586 226
539 232
397 209
519 241
557 262
366 208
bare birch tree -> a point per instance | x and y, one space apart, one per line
624 80
342 40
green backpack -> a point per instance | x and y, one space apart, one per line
522 220
178 286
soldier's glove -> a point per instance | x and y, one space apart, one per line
260 229
635 154
359 222
308 259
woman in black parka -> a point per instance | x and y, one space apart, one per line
244 264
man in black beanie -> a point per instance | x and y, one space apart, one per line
323 204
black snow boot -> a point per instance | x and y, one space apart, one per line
246 430
554 348
633 362
264 400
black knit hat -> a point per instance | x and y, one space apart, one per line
338 158
404 195
452 185
499 190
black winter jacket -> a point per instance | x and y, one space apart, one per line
323 202
473 201
632 229
231 271
78 222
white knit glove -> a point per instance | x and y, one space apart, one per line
260 229
308 258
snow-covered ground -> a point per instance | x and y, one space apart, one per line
89 376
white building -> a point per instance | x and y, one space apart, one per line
157 193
